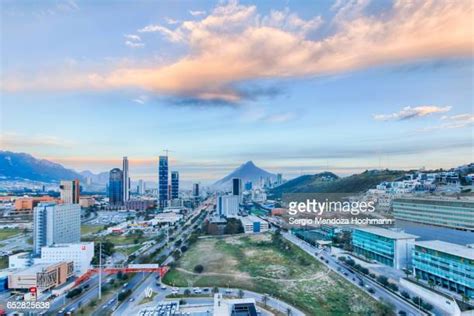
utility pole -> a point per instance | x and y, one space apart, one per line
100 271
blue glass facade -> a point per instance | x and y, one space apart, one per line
174 185
374 247
162 181
115 186
449 271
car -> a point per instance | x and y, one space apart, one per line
205 290
228 291
61 311
131 299
197 290
163 287
346 274
125 285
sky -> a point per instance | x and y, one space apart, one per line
298 87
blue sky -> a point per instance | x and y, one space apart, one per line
296 87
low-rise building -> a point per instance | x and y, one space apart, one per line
385 246
80 254
447 265
86 201
234 307
27 204
254 224
20 260
41 276
452 213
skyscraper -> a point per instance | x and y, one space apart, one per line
162 181
115 187
141 187
55 223
174 185
279 179
236 186
125 180
70 191
196 190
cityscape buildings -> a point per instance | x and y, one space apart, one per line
195 190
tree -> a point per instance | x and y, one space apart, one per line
241 293
383 280
198 268
288 311
406 295
215 290
265 299
233 226
187 292
386 310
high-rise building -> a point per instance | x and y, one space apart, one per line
236 186
195 190
70 191
228 205
248 185
162 181
125 180
279 179
174 185
115 187
80 254
141 187
56 223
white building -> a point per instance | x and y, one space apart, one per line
69 191
56 223
80 254
254 224
20 260
166 218
228 205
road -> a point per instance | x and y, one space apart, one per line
380 294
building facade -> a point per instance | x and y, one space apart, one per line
162 181
446 265
80 254
452 213
70 191
253 224
385 246
196 190
115 187
236 186
174 185
41 276
55 223
228 205
125 180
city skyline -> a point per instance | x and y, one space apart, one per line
312 89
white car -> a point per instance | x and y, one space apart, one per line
163 287
197 290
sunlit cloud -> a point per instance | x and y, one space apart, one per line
133 41
454 121
15 141
409 112
197 12
234 43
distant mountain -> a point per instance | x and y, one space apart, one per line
328 182
100 178
21 166
247 172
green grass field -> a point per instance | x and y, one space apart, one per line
6 233
273 266
90 229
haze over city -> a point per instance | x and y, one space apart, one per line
297 88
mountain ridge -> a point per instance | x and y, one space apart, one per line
248 171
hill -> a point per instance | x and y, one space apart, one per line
247 172
328 182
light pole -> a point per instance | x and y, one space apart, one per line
100 271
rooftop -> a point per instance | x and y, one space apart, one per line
251 219
391 234
446 247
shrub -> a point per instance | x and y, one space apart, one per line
198 268
406 295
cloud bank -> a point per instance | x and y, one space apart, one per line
234 43
409 112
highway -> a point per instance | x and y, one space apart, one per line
381 294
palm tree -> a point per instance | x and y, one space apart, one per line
265 299
288 311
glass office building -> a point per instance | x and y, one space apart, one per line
384 246
458 214
446 265
162 181
115 187
174 185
